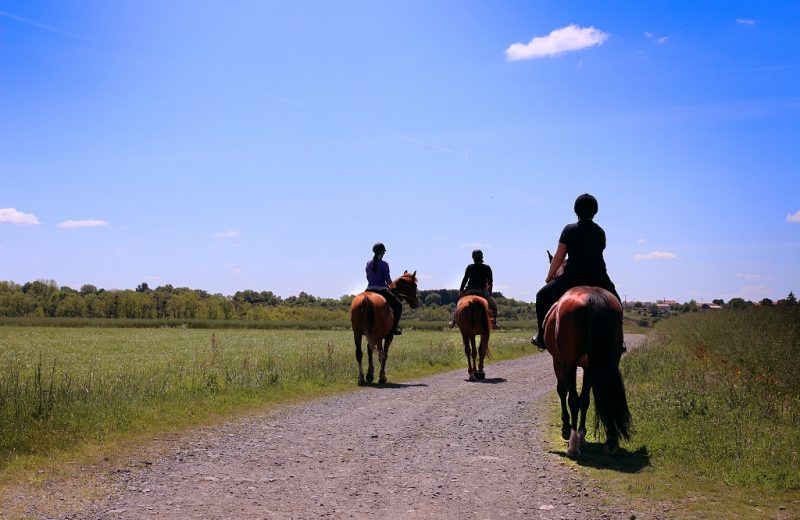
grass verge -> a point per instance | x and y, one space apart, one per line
716 404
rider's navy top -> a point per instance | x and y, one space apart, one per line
378 278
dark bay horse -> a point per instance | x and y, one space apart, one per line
472 317
584 328
371 316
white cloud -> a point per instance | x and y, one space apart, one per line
747 276
237 270
642 241
71 224
648 35
789 218
12 216
559 41
227 234
662 40
745 21
474 245
656 255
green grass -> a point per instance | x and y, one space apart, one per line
715 398
64 388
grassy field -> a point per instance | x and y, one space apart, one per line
715 398
63 388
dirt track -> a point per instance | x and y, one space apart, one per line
438 447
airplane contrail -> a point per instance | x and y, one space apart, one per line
45 27
295 102
426 143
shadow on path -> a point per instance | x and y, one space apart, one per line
491 380
396 385
624 461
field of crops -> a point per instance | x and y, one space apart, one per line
61 387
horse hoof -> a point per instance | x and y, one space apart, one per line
361 381
472 377
611 446
480 375
582 437
573 452
381 380
370 378
565 432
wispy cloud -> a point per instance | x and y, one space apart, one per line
656 255
748 276
12 216
473 245
745 21
44 27
559 41
426 143
641 241
71 224
227 234
789 218
660 40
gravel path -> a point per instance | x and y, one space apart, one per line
439 447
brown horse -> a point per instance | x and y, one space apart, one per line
371 316
472 317
584 328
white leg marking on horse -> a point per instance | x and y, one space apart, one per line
574 444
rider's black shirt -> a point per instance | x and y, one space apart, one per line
477 276
585 243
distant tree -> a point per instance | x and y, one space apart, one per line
738 303
88 289
433 299
766 302
791 298
142 287
718 302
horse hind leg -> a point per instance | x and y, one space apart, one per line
383 355
359 356
480 374
370 365
561 388
470 369
573 401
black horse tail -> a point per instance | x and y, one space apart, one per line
604 335
481 316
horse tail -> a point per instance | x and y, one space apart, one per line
368 314
604 336
481 318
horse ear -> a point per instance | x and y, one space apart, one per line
414 274
405 272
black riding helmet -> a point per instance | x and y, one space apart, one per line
586 206
477 255
378 248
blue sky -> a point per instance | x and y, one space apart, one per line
267 145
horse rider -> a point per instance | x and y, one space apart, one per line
379 281
583 242
477 281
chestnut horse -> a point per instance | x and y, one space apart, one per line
371 316
584 328
472 317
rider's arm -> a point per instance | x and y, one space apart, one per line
463 282
557 262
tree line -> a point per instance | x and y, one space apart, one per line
46 299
